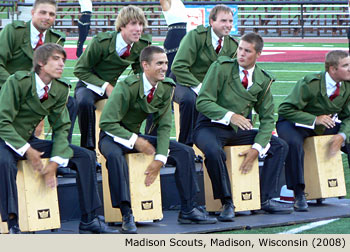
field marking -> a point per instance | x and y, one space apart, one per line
309 226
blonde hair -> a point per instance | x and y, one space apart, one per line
127 14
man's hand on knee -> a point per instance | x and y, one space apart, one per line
142 145
335 144
34 157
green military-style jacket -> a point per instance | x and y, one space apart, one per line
21 111
101 63
16 50
309 99
222 92
127 107
196 53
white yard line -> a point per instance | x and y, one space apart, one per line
309 226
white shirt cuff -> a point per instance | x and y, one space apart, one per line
225 120
161 158
98 90
21 151
128 143
262 151
104 86
197 89
62 162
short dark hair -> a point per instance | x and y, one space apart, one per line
219 8
44 52
254 38
37 2
333 57
147 53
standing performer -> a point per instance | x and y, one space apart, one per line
83 24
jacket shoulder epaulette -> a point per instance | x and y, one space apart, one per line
104 35
147 38
225 59
19 24
59 34
19 75
201 29
130 80
169 81
310 77
64 81
268 74
233 39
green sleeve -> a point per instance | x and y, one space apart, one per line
184 59
116 108
7 42
91 57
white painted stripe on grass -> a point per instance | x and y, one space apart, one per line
293 71
309 226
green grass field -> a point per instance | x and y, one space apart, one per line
287 74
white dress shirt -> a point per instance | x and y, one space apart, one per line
34 35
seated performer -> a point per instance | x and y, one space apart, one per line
25 99
131 101
104 60
314 107
198 50
231 89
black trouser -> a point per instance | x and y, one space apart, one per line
212 138
186 98
83 27
86 100
118 171
83 161
295 136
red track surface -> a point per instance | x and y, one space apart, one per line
268 55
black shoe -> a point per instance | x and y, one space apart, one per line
227 213
198 159
129 226
274 207
15 230
300 204
96 226
196 216
66 172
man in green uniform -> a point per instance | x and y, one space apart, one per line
130 103
231 89
198 50
20 39
102 63
25 99
314 107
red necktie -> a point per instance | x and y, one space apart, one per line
217 50
245 79
46 94
127 52
150 95
40 42
336 92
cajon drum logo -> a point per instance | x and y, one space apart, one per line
147 205
44 214
247 195
332 182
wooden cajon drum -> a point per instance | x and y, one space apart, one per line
245 187
3 227
99 107
324 177
146 201
196 150
37 204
